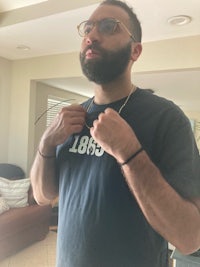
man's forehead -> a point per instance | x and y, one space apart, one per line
109 11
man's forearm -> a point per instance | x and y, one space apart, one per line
43 179
176 219
68 121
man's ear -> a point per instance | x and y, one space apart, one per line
136 51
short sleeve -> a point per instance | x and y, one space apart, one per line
180 160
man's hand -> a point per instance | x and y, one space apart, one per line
114 135
69 120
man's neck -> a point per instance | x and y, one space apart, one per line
105 94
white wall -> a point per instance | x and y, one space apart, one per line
24 71
5 88
173 54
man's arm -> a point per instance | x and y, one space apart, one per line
43 177
43 172
175 218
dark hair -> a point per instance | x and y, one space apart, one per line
136 29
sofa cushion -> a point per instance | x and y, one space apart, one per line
15 192
31 199
3 205
11 171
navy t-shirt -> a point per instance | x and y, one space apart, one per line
100 222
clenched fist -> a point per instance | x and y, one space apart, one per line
114 135
69 120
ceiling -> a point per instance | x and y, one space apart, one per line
48 27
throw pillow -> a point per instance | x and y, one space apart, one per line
15 192
3 205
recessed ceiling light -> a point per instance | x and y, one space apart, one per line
179 20
23 47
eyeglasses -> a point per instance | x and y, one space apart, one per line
105 26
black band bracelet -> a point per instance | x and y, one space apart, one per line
46 156
132 156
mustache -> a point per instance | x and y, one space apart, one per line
94 46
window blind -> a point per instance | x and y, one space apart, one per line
53 107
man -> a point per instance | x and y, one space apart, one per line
125 162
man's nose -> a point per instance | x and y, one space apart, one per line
88 41
92 36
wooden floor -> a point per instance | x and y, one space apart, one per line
40 254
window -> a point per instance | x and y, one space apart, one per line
54 105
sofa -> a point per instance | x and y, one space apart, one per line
22 221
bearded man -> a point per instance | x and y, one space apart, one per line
119 160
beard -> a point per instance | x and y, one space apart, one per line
107 68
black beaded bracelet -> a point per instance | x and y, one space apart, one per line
46 156
132 156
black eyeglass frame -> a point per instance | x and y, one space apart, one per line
94 23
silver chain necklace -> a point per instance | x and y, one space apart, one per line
133 88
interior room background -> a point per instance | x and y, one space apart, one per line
23 96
